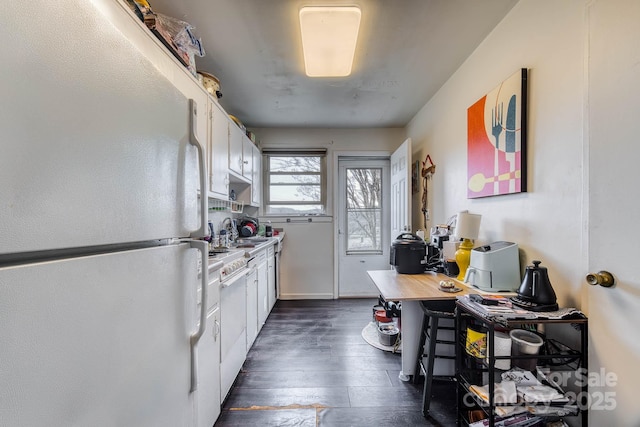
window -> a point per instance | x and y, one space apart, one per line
295 182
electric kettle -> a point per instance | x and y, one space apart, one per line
535 292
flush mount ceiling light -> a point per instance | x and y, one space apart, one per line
329 36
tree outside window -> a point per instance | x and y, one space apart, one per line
295 184
364 210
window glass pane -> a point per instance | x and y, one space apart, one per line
299 193
363 188
295 179
364 192
363 230
295 164
295 184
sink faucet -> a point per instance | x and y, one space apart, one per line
229 224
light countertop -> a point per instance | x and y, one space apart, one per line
249 250
415 287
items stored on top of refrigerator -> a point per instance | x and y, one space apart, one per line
101 254
177 35
211 83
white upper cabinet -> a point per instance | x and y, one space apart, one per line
256 174
218 152
248 188
247 157
236 141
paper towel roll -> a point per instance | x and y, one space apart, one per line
502 343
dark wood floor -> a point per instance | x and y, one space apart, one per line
311 367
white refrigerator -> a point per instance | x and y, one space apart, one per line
100 226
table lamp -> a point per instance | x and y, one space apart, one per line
467 228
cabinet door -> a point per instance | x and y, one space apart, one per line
219 152
263 293
271 278
256 175
233 334
252 307
208 351
236 138
247 157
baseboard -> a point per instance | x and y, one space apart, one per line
365 295
305 296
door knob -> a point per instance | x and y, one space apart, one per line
602 278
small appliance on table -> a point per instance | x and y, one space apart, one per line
536 293
408 254
494 267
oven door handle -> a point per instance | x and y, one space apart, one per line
234 278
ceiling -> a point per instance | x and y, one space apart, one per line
406 51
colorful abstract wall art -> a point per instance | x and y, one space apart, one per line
496 140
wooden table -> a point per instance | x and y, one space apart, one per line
411 289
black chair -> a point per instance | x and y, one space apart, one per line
433 311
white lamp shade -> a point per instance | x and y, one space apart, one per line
467 225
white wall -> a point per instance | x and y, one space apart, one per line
583 95
307 267
545 37
334 140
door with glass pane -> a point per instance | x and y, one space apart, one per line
363 229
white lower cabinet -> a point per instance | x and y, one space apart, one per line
257 296
245 304
208 351
233 334
208 357
271 277
263 290
252 307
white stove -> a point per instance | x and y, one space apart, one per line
233 316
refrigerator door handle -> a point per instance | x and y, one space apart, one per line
203 231
203 247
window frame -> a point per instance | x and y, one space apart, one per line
268 204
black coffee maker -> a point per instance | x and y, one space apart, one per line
535 292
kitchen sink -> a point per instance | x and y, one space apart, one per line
244 245
252 240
